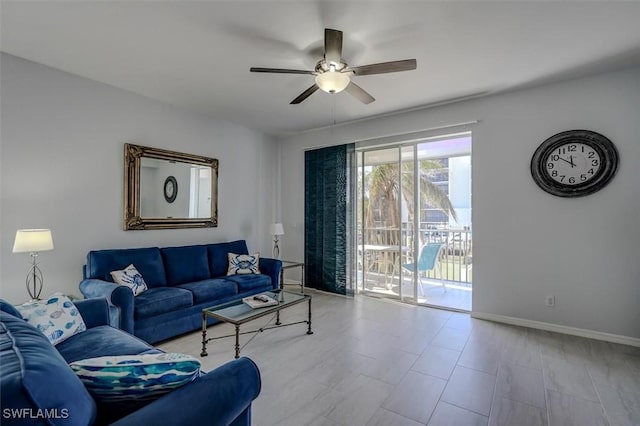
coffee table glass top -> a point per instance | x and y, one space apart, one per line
237 312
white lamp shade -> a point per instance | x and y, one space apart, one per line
277 229
32 240
332 81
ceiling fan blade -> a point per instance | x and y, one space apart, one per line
280 71
304 95
332 46
386 67
359 93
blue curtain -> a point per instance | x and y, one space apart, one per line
329 218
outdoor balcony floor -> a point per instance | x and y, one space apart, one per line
457 295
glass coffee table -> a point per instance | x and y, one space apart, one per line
237 313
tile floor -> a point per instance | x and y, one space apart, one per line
379 362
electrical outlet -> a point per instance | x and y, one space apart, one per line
550 301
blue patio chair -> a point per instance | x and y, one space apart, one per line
428 260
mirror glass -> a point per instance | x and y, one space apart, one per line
167 189
187 195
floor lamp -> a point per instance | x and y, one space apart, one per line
33 241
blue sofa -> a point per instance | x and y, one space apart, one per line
181 280
36 379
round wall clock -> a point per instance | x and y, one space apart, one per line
170 189
574 163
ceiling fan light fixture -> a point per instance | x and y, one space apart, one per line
332 81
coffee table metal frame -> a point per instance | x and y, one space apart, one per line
224 314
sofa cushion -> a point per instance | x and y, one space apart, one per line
55 317
249 282
36 377
135 377
208 290
102 341
218 262
161 300
185 264
148 261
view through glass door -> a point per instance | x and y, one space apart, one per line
414 222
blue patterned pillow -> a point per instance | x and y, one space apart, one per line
56 317
243 264
135 377
131 278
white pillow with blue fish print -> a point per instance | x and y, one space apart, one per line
135 377
131 278
56 317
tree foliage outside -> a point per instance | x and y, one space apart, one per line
383 185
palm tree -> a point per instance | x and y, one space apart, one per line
383 185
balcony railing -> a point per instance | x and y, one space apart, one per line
386 248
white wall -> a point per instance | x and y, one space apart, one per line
61 167
528 244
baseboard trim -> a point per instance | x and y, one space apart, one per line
540 325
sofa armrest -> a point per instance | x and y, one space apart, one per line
94 312
216 398
119 296
9 308
272 268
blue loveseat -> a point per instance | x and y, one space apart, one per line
38 387
181 280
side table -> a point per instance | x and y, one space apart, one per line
287 264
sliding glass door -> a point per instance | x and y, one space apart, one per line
381 240
414 222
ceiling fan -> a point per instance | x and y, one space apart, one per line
333 75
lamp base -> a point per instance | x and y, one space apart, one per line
34 280
276 248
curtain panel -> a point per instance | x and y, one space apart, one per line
329 197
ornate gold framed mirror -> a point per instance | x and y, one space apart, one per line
168 190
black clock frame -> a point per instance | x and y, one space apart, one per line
599 143
170 198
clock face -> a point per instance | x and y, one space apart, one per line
574 163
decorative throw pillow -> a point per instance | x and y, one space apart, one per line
129 377
56 317
243 264
131 278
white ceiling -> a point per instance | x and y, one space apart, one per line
197 54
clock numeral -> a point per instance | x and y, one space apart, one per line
594 162
591 154
554 173
572 180
549 165
590 171
583 177
555 158
572 148
562 178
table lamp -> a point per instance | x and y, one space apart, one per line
276 230
33 241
